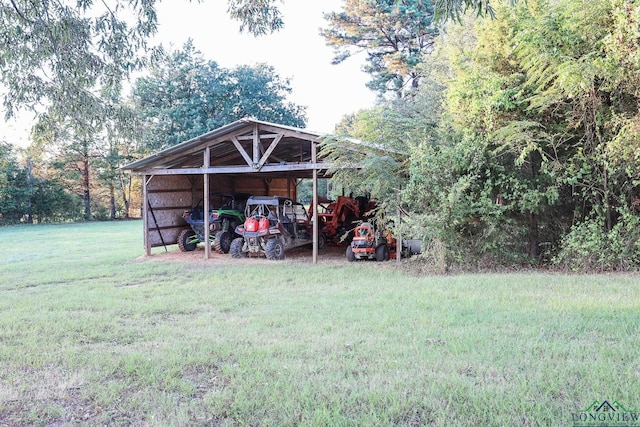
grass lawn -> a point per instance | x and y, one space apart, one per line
92 333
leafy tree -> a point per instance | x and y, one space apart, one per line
66 61
258 17
120 145
51 202
258 91
577 69
70 134
394 34
14 186
52 50
547 93
25 196
488 97
186 96
448 10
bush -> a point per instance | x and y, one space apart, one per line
589 247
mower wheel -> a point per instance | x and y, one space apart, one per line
382 253
274 249
187 241
350 255
222 242
235 249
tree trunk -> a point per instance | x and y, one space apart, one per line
86 195
124 190
112 201
607 201
534 237
535 163
29 201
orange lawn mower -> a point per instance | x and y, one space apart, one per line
369 243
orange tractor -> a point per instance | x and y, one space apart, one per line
337 217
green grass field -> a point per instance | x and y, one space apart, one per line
93 333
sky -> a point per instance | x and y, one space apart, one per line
297 52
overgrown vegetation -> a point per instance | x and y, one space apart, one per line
94 335
520 146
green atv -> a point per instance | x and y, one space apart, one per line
223 220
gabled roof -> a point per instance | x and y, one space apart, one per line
244 146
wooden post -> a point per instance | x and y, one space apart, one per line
256 146
207 225
315 202
145 214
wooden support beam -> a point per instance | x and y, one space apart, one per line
145 214
205 143
291 133
240 169
207 225
262 136
315 204
242 151
256 146
267 153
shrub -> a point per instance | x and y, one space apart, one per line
590 247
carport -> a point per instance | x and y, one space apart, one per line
248 155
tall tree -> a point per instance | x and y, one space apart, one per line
52 50
570 67
27 196
186 96
120 144
548 93
15 188
394 34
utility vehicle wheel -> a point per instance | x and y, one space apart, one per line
187 240
274 249
382 253
350 255
235 249
222 242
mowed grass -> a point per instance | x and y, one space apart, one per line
92 333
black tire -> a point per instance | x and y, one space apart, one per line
274 249
350 255
235 249
322 241
186 242
222 242
382 253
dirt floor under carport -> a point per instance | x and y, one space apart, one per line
330 254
